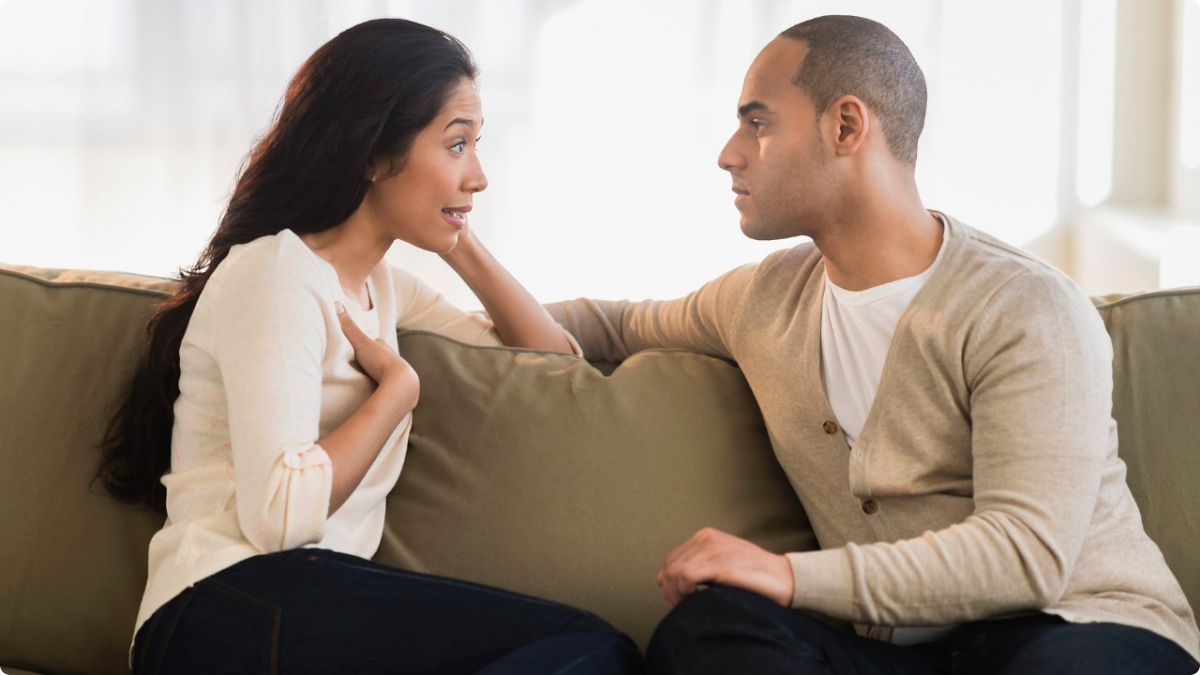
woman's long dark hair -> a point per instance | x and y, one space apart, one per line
362 98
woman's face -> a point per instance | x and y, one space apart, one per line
426 202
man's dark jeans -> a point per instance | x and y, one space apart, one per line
724 630
317 611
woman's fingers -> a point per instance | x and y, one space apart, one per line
376 358
351 330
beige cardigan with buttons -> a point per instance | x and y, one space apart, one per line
985 481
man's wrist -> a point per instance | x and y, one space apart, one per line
823 581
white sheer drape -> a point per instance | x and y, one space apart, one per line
123 124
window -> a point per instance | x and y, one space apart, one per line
123 124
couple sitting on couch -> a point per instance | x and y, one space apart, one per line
975 520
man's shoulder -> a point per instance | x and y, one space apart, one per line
990 277
996 256
785 264
997 264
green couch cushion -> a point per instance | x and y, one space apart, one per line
537 473
526 470
1156 402
74 561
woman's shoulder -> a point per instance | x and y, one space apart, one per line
276 260
408 289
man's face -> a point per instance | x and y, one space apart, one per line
781 170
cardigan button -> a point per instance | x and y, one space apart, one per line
870 508
830 427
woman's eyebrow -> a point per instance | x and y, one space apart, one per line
460 120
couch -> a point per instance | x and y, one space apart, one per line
542 473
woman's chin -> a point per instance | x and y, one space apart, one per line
442 248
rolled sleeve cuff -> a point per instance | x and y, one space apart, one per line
309 490
824 582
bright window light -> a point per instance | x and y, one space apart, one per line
123 123
1097 60
1180 251
1190 86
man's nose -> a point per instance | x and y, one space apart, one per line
730 157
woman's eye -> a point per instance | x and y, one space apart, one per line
459 146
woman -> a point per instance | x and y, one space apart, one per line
272 396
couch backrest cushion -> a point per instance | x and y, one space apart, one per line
1156 402
73 561
537 473
485 495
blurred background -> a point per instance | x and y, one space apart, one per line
1068 127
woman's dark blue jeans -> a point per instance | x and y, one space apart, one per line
318 611
724 630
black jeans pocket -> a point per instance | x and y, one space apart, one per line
212 628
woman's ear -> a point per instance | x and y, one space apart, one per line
853 123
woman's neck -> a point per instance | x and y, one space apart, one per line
354 249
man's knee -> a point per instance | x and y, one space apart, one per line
1079 649
717 609
723 623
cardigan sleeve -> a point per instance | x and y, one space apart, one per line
268 336
1038 369
701 321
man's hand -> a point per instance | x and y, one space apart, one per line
714 557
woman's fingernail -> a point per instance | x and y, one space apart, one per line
341 309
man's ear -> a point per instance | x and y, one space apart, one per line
853 122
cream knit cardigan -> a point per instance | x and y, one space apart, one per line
985 481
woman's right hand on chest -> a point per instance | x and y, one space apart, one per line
380 362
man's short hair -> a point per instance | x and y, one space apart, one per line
853 55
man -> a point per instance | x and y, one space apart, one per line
940 401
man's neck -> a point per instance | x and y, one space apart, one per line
869 249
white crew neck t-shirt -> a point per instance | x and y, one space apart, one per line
856 334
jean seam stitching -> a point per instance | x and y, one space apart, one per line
372 569
585 657
275 628
162 653
140 666
240 595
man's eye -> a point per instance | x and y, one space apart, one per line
758 124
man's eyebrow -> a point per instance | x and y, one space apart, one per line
460 120
751 107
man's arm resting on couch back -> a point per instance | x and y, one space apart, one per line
703 321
